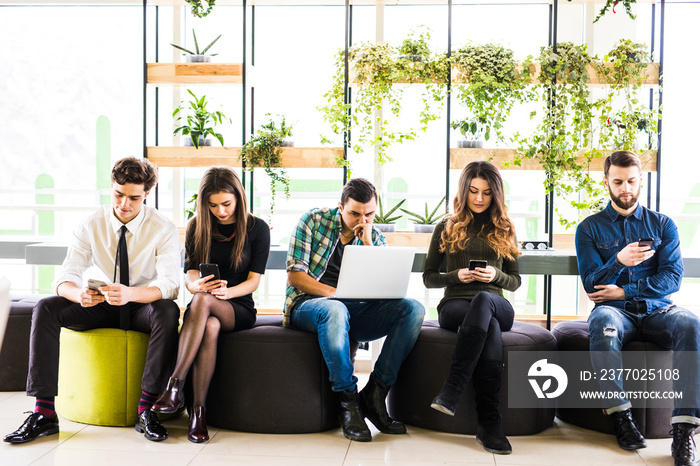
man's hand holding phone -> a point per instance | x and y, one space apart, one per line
636 253
92 295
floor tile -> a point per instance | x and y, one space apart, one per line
239 460
70 457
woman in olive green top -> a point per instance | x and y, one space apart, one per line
473 304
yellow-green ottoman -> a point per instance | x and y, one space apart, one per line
99 375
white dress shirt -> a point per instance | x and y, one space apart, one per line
153 245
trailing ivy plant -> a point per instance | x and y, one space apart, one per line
612 4
264 150
490 84
623 115
418 47
198 9
377 70
561 143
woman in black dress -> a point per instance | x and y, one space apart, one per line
223 233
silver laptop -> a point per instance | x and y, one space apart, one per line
4 306
374 272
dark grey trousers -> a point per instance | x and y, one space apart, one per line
159 319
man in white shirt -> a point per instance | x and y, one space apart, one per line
137 251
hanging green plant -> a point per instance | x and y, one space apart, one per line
562 141
191 211
490 84
377 71
198 9
264 150
624 117
612 4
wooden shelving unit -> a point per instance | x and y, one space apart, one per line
194 73
459 158
408 238
292 157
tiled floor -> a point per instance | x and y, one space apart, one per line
79 444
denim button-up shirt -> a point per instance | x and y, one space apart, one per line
601 236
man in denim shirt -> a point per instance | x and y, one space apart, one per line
630 262
313 263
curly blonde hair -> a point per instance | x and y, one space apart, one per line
499 233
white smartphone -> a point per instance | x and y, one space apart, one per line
95 284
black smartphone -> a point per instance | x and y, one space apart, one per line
95 284
209 269
474 264
646 242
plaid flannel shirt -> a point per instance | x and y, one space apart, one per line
311 245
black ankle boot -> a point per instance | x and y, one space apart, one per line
373 405
487 386
626 431
351 418
470 342
683 445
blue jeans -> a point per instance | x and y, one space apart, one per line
670 327
336 322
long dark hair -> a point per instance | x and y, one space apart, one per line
201 227
499 233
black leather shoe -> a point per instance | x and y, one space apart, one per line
683 445
148 424
351 419
373 405
36 425
172 399
492 438
627 432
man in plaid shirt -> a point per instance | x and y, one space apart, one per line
313 263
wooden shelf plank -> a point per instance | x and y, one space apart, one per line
205 156
292 157
408 238
459 158
195 73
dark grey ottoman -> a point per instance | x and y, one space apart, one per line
426 367
272 380
14 355
653 422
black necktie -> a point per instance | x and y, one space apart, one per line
123 261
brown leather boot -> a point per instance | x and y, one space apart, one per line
198 432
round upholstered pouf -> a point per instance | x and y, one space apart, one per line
99 375
271 379
426 367
652 422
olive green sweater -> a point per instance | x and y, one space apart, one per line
507 271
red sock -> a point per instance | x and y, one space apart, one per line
146 401
45 406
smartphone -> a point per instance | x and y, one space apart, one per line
646 242
209 269
95 284
474 264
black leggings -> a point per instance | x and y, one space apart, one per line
487 311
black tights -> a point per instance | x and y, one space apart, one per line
491 313
207 317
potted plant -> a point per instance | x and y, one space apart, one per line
197 56
191 211
490 84
264 150
385 222
562 141
472 130
425 223
200 122
415 49
377 73
197 8
624 116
